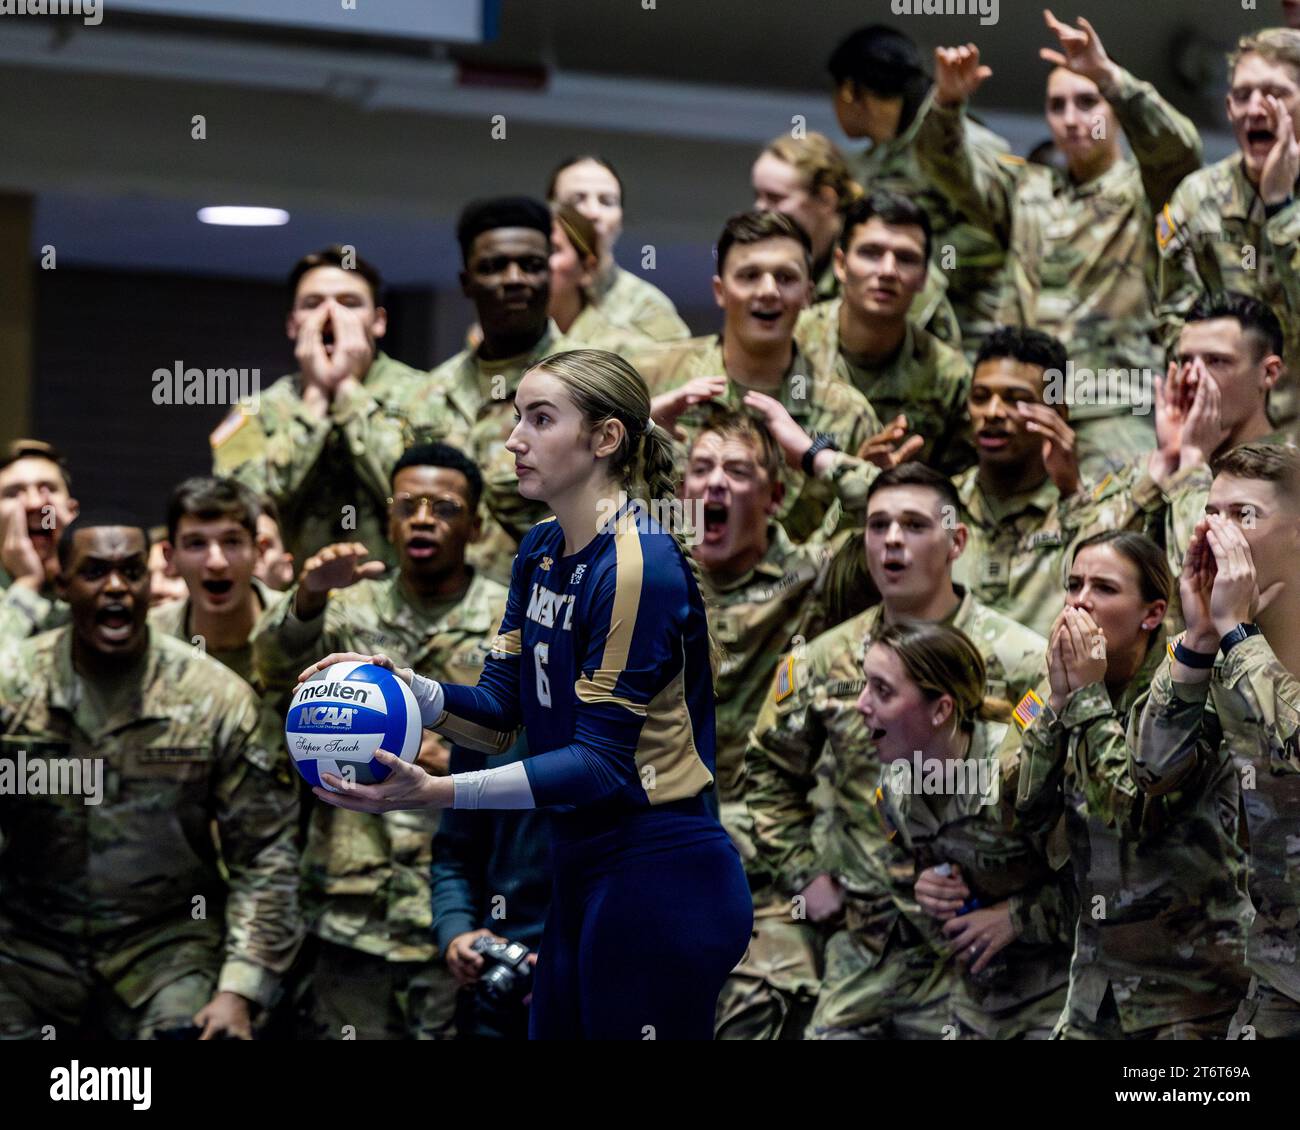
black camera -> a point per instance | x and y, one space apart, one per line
507 977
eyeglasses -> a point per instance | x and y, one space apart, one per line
408 506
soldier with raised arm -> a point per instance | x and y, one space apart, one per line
1081 254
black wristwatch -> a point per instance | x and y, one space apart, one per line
1189 658
822 441
1234 637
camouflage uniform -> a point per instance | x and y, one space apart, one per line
1130 499
808 727
629 301
930 310
976 274
329 477
131 898
1082 262
817 403
1214 235
1243 726
25 613
926 381
592 330
1158 954
470 403
1021 992
754 619
366 877
1020 547
173 619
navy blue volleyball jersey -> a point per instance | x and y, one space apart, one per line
604 658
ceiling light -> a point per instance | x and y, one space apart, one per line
234 215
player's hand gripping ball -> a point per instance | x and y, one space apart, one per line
340 716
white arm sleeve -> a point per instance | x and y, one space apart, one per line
506 786
429 697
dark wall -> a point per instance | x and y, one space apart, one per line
100 335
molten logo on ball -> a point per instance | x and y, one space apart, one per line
342 715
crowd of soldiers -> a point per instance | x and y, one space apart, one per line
997 512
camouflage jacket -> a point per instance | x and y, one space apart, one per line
25 613
329 477
366 877
816 401
134 885
975 264
592 330
926 381
1214 235
1081 258
1020 547
808 726
1162 904
931 310
755 619
970 821
629 301
1242 726
173 619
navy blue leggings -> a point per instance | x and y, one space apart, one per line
638 944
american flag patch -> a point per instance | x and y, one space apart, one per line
235 419
1029 708
785 678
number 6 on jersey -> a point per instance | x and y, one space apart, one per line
541 652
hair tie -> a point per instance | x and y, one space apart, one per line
650 425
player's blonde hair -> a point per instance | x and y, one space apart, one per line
605 387
820 164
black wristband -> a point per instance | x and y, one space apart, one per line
822 441
1234 637
1189 658
1271 210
